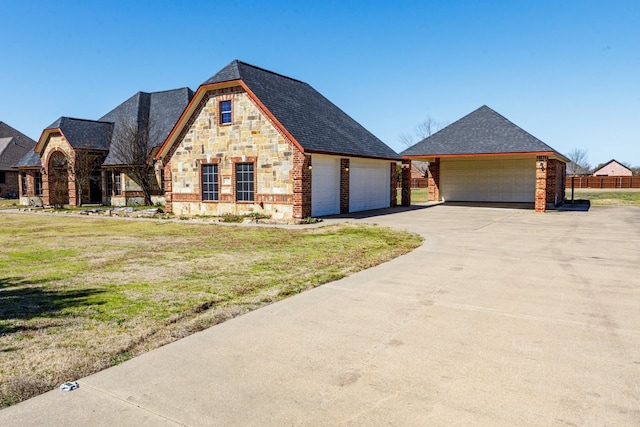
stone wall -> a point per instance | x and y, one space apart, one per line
250 138
56 143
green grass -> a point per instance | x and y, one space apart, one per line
79 294
418 196
9 203
606 197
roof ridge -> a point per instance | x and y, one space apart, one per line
82 120
170 90
266 71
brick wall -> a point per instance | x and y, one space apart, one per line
394 184
344 186
406 183
10 184
433 178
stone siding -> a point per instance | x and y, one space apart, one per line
250 138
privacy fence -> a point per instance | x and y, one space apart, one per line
603 182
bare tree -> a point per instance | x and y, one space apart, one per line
422 130
578 164
83 167
131 150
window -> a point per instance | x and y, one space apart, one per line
116 184
109 184
3 179
162 190
38 183
244 182
225 112
23 177
210 182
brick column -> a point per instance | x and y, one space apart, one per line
541 183
344 186
433 180
406 182
394 184
168 185
302 165
46 201
73 196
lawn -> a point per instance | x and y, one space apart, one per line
80 294
607 197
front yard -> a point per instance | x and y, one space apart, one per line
80 294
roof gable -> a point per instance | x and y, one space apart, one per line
483 131
155 113
13 146
609 163
314 123
79 133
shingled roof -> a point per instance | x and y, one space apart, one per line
30 160
83 134
481 132
13 146
159 110
315 122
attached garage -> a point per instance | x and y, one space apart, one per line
368 185
483 157
488 179
325 186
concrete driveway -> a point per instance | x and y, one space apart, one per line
502 317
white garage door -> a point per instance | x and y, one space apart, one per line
369 183
488 180
325 185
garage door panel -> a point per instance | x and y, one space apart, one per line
368 185
325 186
502 180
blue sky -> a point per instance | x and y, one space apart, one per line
567 71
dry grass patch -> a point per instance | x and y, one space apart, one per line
80 294
607 197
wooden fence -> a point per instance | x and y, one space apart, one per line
416 183
603 182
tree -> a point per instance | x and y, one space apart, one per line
422 130
83 167
578 164
130 148
58 180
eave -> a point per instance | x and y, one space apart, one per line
432 157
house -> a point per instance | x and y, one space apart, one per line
253 141
78 161
483 157
613 168
13 145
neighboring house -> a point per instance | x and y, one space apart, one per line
13 145
483 157
76 161
613 168
253 141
